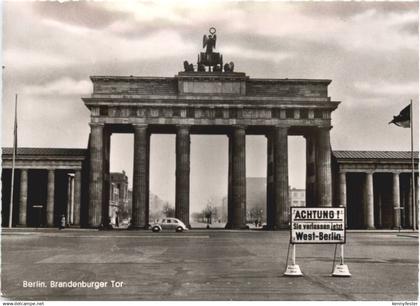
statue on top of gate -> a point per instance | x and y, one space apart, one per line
210 59
213 60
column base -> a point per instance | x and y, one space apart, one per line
235 226
137 227
278 228
105 227
370 228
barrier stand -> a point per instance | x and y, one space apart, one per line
340 270
293 269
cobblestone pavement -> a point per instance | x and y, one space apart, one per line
203 265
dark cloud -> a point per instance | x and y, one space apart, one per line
80 13
410 28
348 9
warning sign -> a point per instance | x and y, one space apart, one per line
317 225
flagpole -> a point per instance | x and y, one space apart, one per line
413 196
13 165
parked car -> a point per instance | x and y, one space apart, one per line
172 224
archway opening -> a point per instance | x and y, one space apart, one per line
297 170
162 176
120 179
256 181
208 181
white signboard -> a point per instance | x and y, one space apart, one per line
317 225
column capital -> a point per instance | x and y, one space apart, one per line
281 126
238 130
139 125
239 126
183 127
324 128
96 124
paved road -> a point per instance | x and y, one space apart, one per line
204 265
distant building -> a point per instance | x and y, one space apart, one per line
297 197
118 196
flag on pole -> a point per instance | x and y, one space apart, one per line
15 127
13 165
403 118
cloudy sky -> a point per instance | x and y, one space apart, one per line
368 49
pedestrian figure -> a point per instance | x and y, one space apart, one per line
62 222
256 222
117 224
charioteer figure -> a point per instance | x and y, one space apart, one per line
212 60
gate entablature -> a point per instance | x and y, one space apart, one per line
210 98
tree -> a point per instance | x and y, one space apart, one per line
256 213
210 212
168 211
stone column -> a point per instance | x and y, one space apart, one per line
323 168
379 199
140 209
281 178
96 174
182 174
229 196
23 197
105 219
403 202
77 195
310 170
271 211
369 210
396 200
409 204
416 206
50 198
343 193
238 178
69 199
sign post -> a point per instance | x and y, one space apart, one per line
341 270
317 225
293 269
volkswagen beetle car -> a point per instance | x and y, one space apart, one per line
172 224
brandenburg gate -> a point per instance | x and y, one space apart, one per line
210 99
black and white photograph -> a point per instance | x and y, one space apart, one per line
160 151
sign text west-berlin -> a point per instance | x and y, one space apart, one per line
317 225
